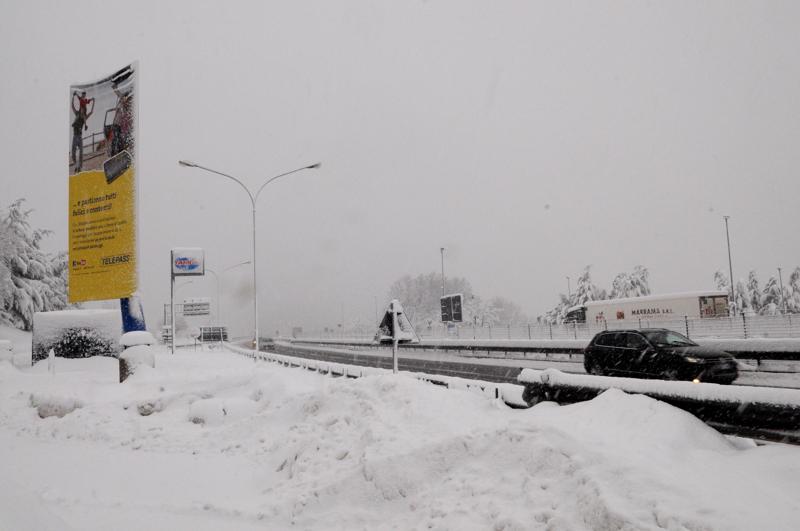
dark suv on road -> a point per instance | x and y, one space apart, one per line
657 353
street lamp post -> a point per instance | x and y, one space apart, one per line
569 290
783 297
730 263
441 250
253 199
172 290
219 286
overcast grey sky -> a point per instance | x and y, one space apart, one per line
528 138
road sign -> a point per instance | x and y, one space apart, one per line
452 305
188 261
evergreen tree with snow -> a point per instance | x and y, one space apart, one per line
634 284
741 301
30 279
721 282
640 282
586 290
770 297
621 286
753 292
793 292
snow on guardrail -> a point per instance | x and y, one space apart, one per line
509 393
690 390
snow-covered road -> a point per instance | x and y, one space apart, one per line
233 444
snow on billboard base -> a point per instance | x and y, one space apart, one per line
281 447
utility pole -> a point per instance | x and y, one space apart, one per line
441 250
783 297
730 263
569 289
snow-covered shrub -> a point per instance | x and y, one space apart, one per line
76 334
77 343
134 357
54 406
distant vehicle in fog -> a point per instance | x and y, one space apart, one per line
694 305
657 353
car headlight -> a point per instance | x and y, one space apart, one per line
690 359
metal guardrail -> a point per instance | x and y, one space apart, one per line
509 393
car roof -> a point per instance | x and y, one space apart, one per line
638 330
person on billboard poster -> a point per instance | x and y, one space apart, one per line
82 113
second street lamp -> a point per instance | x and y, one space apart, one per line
253 199
219 286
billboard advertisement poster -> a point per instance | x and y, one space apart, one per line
102 187
188 262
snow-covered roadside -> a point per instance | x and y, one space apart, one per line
233 444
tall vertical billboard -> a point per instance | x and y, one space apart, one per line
102 187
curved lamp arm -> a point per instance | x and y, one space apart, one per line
190 164
310 167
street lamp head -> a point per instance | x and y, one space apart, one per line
314 166
187 163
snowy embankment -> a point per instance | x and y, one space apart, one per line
214 440
695 391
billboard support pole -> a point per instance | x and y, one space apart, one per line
132 314
172 301
394 338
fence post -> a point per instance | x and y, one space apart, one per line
490 331
605 324
744 324
509 331
686 323
529 327
474 336
640 323
575 329
550 326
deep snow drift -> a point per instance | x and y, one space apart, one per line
212 440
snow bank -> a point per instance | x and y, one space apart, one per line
278 448
696 391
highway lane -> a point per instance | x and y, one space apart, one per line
486 369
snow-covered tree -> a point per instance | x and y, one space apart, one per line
793 291
640 282
741 301
556 315
721 282
586 291
507 311
420 295
30 279
621 286
480 312
753 292
770 297
634 284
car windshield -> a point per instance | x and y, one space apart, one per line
669 339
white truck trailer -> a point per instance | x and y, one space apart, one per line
694 305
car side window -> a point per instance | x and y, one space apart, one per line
636 341
605 340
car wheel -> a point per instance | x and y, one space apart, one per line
595 369
670 374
